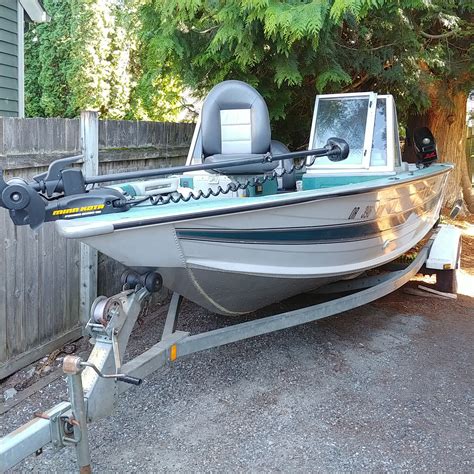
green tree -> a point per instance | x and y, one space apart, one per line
80 60
417 50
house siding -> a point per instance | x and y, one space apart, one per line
9 105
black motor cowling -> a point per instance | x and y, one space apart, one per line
425 147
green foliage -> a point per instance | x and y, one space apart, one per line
291 50
135 58
82 59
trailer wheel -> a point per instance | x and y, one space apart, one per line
446 281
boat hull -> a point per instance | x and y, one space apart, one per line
238 262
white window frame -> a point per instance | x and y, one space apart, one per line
389 117
196 142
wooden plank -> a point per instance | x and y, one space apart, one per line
60 316
46 297
135 154
10 94
9 82
72 284
31 390
88 265
103 133
31 313
3 284
72 131
21 135
8 37
8 58
120 134
15 288
32 355
35 160
157 131
144 134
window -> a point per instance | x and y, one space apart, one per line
378 156
343 118
347 116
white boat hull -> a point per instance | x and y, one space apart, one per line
238 262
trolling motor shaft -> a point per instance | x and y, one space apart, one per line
61 192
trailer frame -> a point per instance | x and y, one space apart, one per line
95 385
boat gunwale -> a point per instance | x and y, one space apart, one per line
252 206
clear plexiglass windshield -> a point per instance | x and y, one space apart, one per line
343 118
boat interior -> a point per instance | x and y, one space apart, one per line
234 125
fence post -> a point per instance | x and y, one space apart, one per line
88 255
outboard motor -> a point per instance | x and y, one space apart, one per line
425 147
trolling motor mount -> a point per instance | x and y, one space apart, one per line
27 207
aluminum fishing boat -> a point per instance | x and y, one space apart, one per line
245 223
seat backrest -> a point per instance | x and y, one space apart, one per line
234 120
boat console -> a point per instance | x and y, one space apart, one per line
368 121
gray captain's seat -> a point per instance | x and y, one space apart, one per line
235 125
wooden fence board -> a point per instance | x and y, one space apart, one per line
3 288
39 281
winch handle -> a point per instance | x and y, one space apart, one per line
129 379
78 364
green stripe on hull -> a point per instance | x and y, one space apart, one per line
319 182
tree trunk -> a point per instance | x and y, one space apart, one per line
448 125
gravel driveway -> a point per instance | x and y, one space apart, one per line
384 387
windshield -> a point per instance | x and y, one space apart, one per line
343 118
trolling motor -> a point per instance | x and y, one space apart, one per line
425 147
61 192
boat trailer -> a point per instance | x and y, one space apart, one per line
95 385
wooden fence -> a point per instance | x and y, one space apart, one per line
48 282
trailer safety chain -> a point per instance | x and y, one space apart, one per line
159 199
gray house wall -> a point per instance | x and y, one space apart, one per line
9 66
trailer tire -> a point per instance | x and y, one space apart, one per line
446 281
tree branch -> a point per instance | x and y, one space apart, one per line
366 49
441 36
357 83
